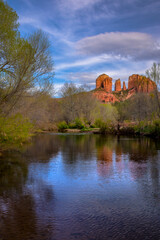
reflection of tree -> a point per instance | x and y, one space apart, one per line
150 186
138 149
23 218
121 149
13 171
75 147
44 146
25 204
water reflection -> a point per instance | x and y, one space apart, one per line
81 187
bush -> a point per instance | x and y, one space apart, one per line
62 126
98 123
78 123
148 128
15 130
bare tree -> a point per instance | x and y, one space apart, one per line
77 102
154 74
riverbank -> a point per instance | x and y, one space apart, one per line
11 140
142 128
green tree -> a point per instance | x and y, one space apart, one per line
154 74
8 34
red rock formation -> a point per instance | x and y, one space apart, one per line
118 85
141 84
136 83
124 86
104 81
99 80
105 97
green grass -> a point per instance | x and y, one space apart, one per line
14 131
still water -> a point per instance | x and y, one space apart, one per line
84 187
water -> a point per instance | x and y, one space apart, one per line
87 187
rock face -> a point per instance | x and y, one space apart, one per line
141 84
136 84
118 85
124 86
105 97
105 82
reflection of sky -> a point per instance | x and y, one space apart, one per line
79 181
109 188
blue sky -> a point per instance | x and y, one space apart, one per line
91 37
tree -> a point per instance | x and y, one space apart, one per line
25 64
106 113
32 69
69 93
140 107
8 34
154 74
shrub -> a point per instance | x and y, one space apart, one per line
148 128
98 123
78 123
62 126
15 130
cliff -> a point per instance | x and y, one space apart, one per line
136 84
105 82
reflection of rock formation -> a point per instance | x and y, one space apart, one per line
118 152
105 154
104 165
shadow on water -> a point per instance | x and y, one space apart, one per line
81 187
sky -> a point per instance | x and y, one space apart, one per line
92 37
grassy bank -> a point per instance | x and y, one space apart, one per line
144 128
14 132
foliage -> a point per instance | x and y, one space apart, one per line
15 130
8 34
154 72
78 123
105 127
25 63
77 103
62 126
106 112
137 108
148 128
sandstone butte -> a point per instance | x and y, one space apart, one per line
136 84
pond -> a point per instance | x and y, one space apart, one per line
82 186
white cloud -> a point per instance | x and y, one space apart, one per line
104 58
89 77
74 5
38 23
126 44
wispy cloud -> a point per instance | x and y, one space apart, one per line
131 44
103 58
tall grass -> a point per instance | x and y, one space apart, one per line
14 130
